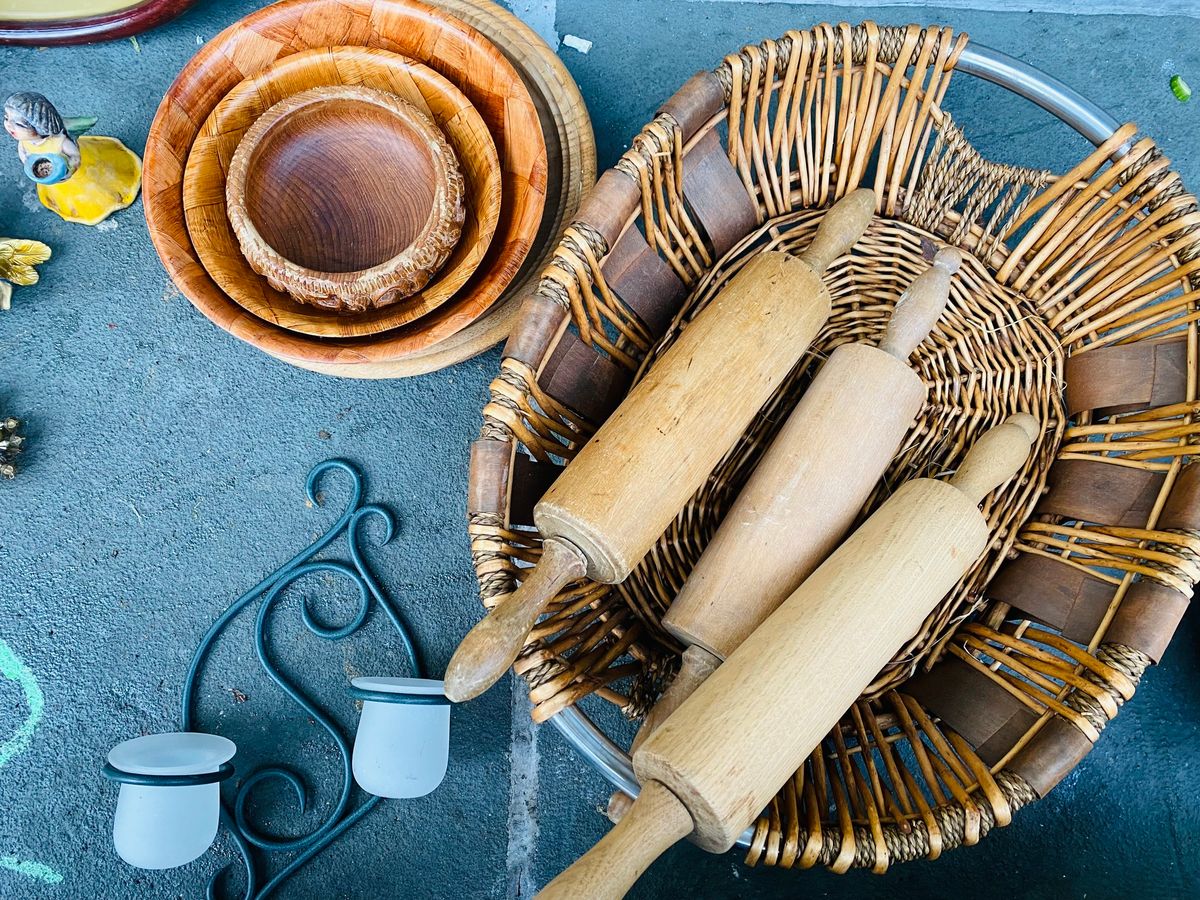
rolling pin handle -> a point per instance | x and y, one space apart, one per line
840 229
492 646
921 306
655 821
996 456
697 664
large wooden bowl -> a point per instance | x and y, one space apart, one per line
409 27
211 154
347 198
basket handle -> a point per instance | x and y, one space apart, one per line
1046 91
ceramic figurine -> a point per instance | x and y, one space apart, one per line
83 178
17 261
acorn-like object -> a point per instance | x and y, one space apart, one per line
84 178
11 444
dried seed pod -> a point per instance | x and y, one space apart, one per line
11 444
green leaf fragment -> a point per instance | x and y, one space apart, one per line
1180 89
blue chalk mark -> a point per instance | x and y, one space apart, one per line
35 870
17 672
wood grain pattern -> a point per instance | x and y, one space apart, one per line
652 825
813 481
911 552
571 171
346 198
450 47
630 480
635 474
806 492
802 498
212 153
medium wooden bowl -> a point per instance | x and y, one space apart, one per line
212 153
346 198
447 45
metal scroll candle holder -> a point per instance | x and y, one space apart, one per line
391 773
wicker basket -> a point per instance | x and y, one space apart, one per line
1077 302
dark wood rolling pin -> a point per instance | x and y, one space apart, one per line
807 490
617 497
714 765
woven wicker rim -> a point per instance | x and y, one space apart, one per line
1100 265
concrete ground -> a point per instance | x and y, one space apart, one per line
165 476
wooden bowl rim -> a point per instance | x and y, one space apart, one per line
435 240
211 152
458 42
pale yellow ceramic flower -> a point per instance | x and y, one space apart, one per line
17 260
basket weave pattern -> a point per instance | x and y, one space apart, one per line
1076 301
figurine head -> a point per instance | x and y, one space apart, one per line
49 153
29 116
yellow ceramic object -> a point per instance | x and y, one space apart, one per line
109 178
17 261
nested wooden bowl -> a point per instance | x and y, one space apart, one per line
1077 301
204 197
571 170
447 45
346 198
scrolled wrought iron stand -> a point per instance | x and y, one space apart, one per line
235 817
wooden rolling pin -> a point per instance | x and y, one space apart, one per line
807 490
617 497
714 765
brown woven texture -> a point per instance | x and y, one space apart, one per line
1076 301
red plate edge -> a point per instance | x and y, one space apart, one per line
89 29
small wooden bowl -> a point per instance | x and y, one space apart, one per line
449 46
211 156
347 198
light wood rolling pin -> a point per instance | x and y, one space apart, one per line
617 497
715 764
807 490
